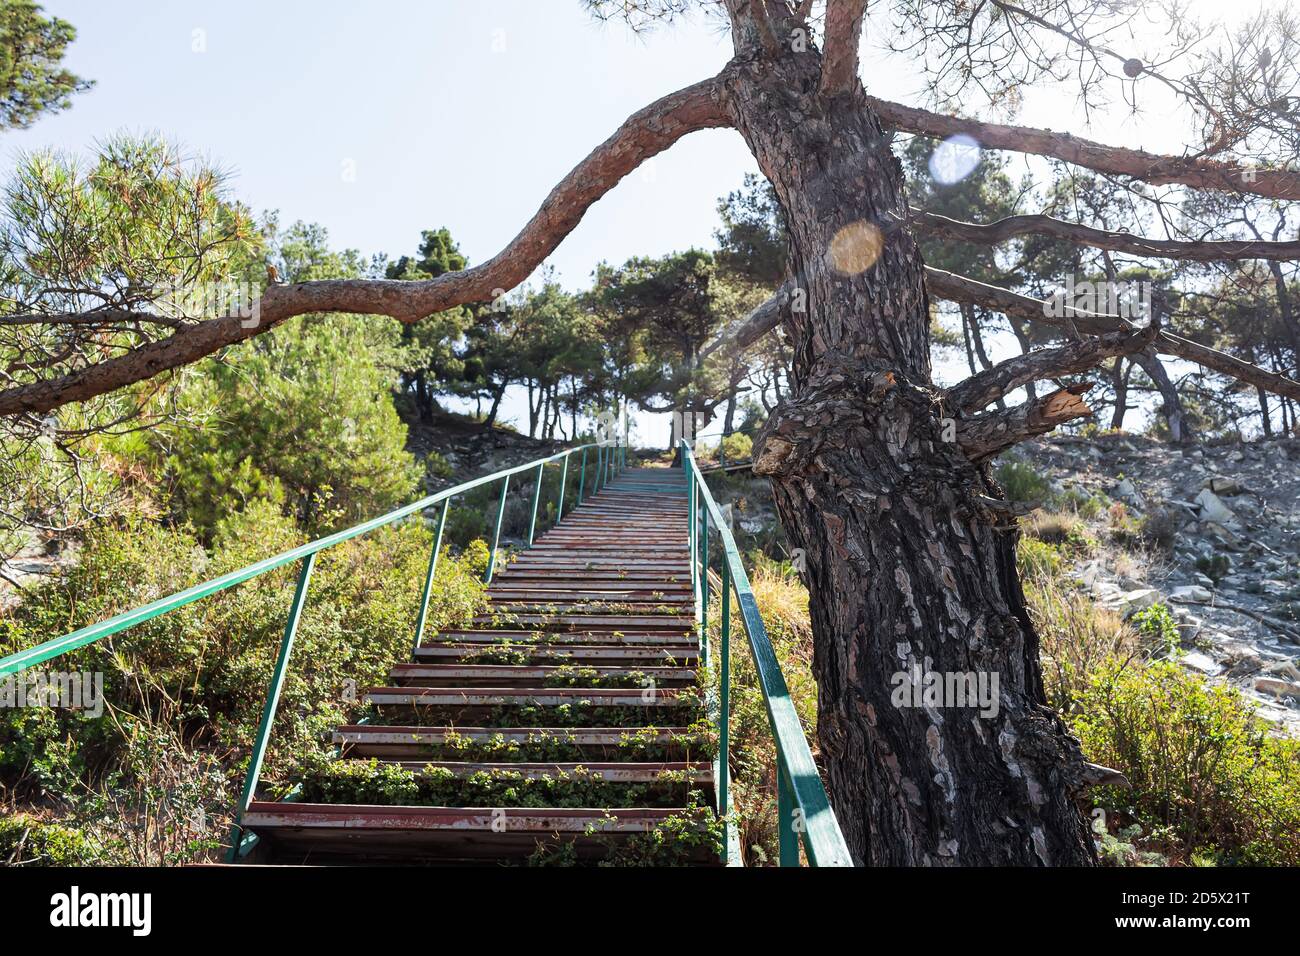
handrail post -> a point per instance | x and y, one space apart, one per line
537 494
428 577
787 838
564 477
724 696
272 702
703 523
582 475
496 537
600 464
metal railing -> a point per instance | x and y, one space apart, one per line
610 458
802 807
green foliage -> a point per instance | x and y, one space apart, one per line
209 663
1157 626
136 226
736 447
26 841
375 782
681 839
32 79
301 417
1020 482
1200 762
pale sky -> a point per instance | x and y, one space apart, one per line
379 119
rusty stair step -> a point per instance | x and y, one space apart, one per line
526 675
408 742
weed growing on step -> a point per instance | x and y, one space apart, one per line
389 784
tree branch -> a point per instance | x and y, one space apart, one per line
1012 227
644 134
984 436
1138 164
841 38
745 332
947 285
988 386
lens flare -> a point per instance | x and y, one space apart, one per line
954 159
856 247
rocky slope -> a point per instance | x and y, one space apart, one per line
1223 526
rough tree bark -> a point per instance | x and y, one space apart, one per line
908 566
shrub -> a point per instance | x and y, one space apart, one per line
1075 635
1201 763
783 601
736 447
1020 482
1157 628
26 841
208 665
1052 527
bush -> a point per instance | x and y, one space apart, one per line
1020 482
304 417
1201 763
783 601
207 666
26 841
736 447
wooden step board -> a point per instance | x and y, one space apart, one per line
595 624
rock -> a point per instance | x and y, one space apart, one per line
1127 491
1278 688
1133 601
1091 573
1225 487
1193 593
1283 669
1223 534
1212 509
1200 662
1204 580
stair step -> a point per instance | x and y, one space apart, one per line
315 832
525 675
408 742
516 697
592 636
699 772
570 653
646 622
604 595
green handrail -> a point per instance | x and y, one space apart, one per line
14 663
802 806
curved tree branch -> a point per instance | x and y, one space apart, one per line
644 134
988 386
947 285
1136 163
745 332
1012 227
984 436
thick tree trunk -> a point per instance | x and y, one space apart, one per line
909 569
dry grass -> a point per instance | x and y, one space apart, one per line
783 601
